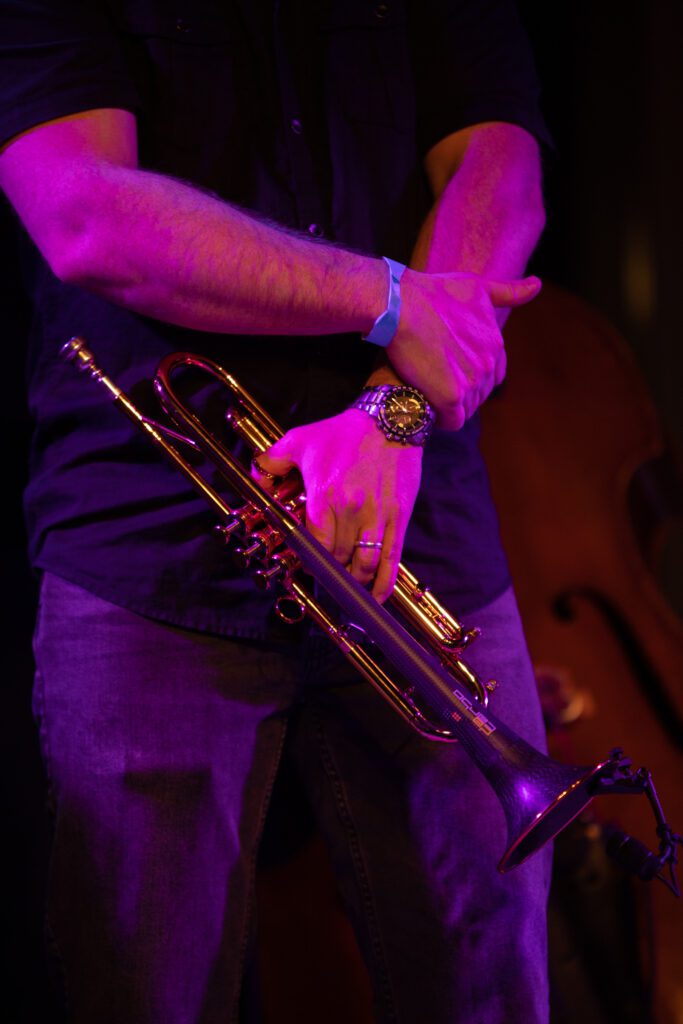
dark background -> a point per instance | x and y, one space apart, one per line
613 92
612 77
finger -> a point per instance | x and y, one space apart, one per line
346 535
501 367
321 521
387 569
366 558
495 372
513 293
267 467
482 392
473 401
452 418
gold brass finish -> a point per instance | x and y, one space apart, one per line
435 690
443 633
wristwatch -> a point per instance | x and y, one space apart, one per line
402 413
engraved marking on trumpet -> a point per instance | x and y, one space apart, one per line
480 721
463 699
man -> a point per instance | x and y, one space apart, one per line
224 177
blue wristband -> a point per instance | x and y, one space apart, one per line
384 327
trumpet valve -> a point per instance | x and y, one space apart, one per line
282 565
227 530
243 521
264 577
262 544
242 557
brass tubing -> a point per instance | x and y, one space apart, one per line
253 424
365 664
539 796
75 351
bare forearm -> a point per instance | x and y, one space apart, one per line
169 251
487 216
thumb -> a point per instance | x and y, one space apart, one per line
513 293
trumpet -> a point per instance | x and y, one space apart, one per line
428 682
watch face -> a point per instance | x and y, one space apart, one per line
404 412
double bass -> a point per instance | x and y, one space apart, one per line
587 488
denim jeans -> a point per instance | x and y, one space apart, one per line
162 748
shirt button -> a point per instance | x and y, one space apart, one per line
315 230
296 126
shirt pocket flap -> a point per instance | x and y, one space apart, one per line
199 24
350 14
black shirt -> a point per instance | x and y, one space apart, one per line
317 116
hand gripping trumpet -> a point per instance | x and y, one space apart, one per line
429 685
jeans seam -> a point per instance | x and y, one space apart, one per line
40 716
362 876
253 862
39 703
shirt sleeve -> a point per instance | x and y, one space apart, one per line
473 63
58 57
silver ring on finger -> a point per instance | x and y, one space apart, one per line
368 544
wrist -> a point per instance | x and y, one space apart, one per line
357 420
383 374
400 412
386 324
370 288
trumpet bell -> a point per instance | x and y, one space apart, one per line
540 801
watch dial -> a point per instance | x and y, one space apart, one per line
404 411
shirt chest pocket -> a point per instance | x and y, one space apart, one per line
186 61
367 61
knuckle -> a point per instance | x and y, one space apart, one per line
323 537
392 509
274 452
363 575
391 555
288 440
384 588
353 502
459 417
483 393
453 407
316 503
489 364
